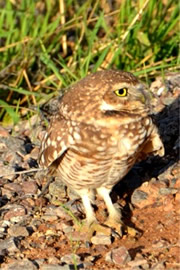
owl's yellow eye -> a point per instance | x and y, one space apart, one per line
121 92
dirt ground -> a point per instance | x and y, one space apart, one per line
37 230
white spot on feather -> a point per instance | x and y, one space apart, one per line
76 136
53 143
106 107
55 154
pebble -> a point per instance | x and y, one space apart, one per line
7 193
167 191
57 190
6 171
16 231
158 266
101 239
9 245
13 187
70 258
118 256
30 187
62 213
4 132
16 211
24 264
138 262
56 267
137 197
177 197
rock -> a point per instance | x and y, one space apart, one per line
66 266
73 207
29 187
49 218
119 256
57 190
137 197
101 239
24 264
3 147
13 187
4 132
35 153
15 211
62 213
158 266
70 258
177 197
53 260
7 172
166 191
67 229
16 231
7 193
77 235
55 267
138 262
9 245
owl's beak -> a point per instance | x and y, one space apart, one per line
145 96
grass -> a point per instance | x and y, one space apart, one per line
48 45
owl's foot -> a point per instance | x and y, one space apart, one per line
120 228
132 232
90 229
116 226
96 228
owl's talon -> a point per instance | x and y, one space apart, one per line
98 228
117 227
132 232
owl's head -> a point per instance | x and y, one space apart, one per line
124 93
105 93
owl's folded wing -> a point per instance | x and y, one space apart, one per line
153 146
55 143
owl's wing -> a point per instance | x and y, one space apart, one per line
56 142
153 146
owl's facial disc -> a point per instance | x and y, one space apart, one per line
124 97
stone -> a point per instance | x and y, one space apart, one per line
4 132
55 267
158 266
16 231
167 191
13 187
101 239
70 258
24 264
9 245
15 211
137 262
57 190
30 187
119 256
137 197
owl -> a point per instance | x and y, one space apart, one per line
102 128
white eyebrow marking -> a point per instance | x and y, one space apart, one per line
106 107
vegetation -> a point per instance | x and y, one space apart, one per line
46 45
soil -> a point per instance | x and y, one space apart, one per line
37 230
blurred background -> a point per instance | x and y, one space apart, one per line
46 45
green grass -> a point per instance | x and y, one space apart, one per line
40 53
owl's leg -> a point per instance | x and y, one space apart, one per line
90 216
91 224
114 218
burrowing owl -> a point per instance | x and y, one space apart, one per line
102 128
